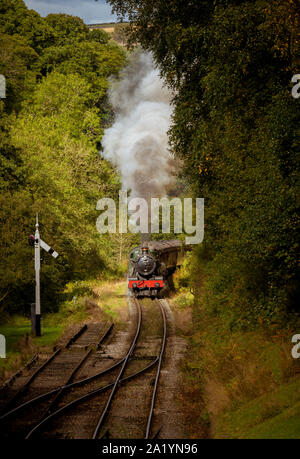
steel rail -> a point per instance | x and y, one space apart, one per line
57 389
87 396
97 391
75 336
117 381
44 365
150 416
76 369
18 373
103 388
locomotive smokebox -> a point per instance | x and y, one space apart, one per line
146 264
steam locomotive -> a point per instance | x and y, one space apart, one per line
151 266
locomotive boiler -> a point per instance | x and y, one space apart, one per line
151 266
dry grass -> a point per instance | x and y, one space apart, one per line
111 300
239 368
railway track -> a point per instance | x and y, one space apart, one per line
119 379
119 373
61 366
40 368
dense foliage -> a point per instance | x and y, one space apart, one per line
236 128
51 124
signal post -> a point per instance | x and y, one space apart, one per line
36 242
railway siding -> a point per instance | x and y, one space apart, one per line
124 387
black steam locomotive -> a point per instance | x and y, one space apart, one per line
151 266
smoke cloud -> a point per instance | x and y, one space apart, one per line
137 142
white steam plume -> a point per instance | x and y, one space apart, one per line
137 143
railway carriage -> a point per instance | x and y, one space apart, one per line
151 266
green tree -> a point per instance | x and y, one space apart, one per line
68 29
56 133
19 63
17 19
95 61
51 123
236 128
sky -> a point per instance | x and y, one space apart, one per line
90 11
